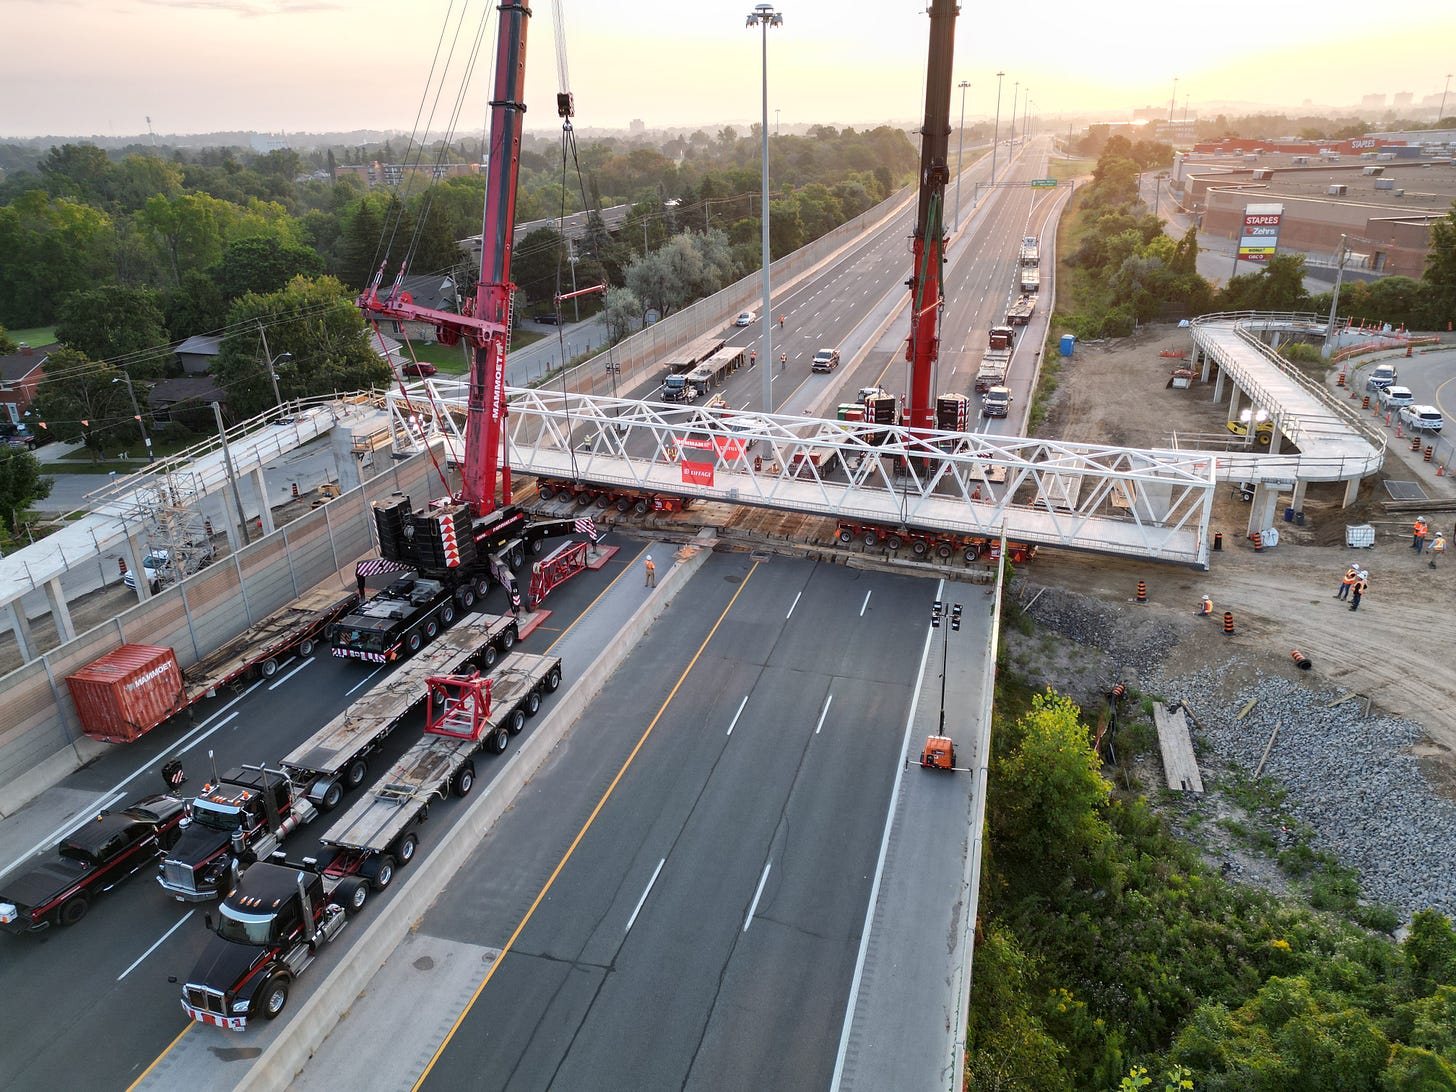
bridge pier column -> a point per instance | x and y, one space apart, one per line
65 629
1352 489
1233 410
1205 362
1217 383
1261 511
20 626
1299 490
265 514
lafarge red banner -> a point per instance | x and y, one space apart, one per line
1259 240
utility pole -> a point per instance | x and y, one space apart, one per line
135 409
1335 300
1173 100
268 356
1015 98
227 458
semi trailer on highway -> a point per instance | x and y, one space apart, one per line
996 360
1029 281
1030 255
1019 313
249 811
135 688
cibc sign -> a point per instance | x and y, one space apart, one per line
1260 237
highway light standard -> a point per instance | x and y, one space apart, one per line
1173 101
273 362
764 15
1443 97
960 145
996 131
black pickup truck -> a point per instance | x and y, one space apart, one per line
91 859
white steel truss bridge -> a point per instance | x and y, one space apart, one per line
1143 503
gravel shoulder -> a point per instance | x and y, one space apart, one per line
1378 787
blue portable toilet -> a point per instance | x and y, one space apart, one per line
1069 342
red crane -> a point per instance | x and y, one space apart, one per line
926 286
485 326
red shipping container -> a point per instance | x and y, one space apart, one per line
128 692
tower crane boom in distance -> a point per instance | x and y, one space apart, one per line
925 283
434 540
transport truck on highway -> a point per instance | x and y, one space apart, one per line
1030 255
395 622
245 814
134 688
996 360
92 859
1029 281
1019 313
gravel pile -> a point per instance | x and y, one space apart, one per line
1348 775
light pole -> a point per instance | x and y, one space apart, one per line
1025 109
281 358
1443 97
135 409
1015 98
1172 101
960 146
776 121
764 16
227 458
996 131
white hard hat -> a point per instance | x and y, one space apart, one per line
1363 574
1206 599
649 557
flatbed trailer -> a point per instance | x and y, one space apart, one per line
336 757
380 827
693 353
263 646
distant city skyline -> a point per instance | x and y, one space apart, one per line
198 66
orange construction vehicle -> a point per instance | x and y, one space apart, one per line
939 753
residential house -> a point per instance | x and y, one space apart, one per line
185 399
20 375
196 354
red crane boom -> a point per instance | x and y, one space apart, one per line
926 285
485 326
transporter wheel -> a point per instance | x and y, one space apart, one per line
894 542
553 680
943 550
306 646
603 500
431 629
499 740
544 490
74 910
447 614
515 722
269 667
871 539
414 642
465 779
624 503
384 874
518 555
585 499
642 507
971 552
533 703
467 598
353 893
274 996
919 547
331 797
537 545
489 656
406 849
355 774
508 638
846 536
482 585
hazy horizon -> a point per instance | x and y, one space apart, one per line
318 66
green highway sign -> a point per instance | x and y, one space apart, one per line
1043 181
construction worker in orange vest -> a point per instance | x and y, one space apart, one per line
1349 578
1357 589
1437 548
1205 608
649 572
1418 538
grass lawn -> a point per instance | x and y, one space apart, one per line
452 360
35 336
1062 169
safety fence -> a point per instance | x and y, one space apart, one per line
195 616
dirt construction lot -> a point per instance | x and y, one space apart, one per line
1397 650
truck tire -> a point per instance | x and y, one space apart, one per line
894 542
383 873
533 703
624 504
919 547
516 721
73 910
603 500
489 656
406 847
871 539
413 642
518 555
544 490
432 629
466 597
498 741
447 614
537 545
269 667
273 997
331 797
352 894
584 498
355 774
971 552
508 638
482 585
306 646
943 550
642 507
553 680
846 536
465 780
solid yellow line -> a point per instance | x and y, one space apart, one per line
157 1060
556 872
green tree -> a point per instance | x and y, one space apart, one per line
52 247
81 399
195 306
21 485
1438 286
112 323
1430 952
262 264
8 344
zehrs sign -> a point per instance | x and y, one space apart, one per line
1259 239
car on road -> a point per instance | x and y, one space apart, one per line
20 437
1382 375
825 360
1421 418
745 318
997 402
1393 397
418 368
90 860
550 318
